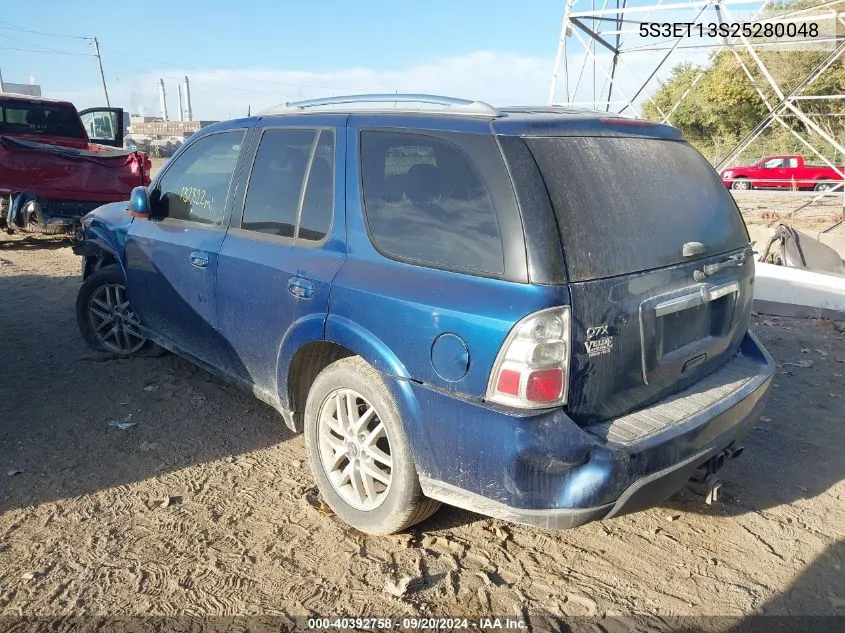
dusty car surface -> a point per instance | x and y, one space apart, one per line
509 310
57 164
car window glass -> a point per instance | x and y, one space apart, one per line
775 162
46 120
426 202
318 203
196 185
793 162
100 125
275 184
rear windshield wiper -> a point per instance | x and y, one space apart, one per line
734 261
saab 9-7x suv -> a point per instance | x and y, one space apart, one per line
538 314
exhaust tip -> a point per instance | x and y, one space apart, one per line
736 452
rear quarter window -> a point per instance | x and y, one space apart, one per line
626 205
427 202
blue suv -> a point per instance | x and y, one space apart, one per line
538 314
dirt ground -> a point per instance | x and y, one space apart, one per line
206 505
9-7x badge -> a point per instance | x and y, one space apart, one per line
599 340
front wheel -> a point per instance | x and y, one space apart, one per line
359 453
105 316
741 184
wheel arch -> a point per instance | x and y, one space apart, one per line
316 342
99 252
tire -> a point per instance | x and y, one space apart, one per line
101 289
823 186
741 184
378 508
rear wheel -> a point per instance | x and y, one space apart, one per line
105 316
741 184
824 186
358 451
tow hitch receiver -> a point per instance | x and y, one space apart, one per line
705 480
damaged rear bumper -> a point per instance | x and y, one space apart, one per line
544 470
27 213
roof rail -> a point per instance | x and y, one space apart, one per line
462 106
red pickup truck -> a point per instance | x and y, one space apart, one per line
783 172
56 164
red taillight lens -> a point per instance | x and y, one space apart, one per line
544 385
532 368
508 382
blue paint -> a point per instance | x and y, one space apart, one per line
450 357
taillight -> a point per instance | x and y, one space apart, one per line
532 368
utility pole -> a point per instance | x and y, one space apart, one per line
1 81
102 75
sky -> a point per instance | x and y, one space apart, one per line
253 54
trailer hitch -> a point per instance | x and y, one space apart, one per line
705 480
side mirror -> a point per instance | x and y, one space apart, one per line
139 203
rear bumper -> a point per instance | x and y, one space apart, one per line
544 470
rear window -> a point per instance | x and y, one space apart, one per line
40 119
626 205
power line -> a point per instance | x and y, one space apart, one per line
14 27
49 51
34 44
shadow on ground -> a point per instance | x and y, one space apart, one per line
59 397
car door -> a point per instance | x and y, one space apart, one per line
104 125
774 174
285 245
171 260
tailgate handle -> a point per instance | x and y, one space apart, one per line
712 269
705 294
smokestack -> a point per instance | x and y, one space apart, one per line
162 98
189 113
179 96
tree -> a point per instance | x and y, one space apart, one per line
724 106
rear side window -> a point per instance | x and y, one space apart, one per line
195 187
626 205
427 202
40 119
292 184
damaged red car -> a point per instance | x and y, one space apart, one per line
57 164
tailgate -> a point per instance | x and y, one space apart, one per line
658 261
639 338
66 173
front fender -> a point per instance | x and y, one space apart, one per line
104 231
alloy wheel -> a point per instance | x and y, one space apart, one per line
354 449
112 320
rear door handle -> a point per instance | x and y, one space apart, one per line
199 259
300 288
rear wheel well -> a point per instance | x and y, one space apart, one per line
101 259
306 365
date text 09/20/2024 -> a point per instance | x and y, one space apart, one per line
412 624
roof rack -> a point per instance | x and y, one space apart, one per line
459 106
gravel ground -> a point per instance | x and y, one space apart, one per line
207 505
